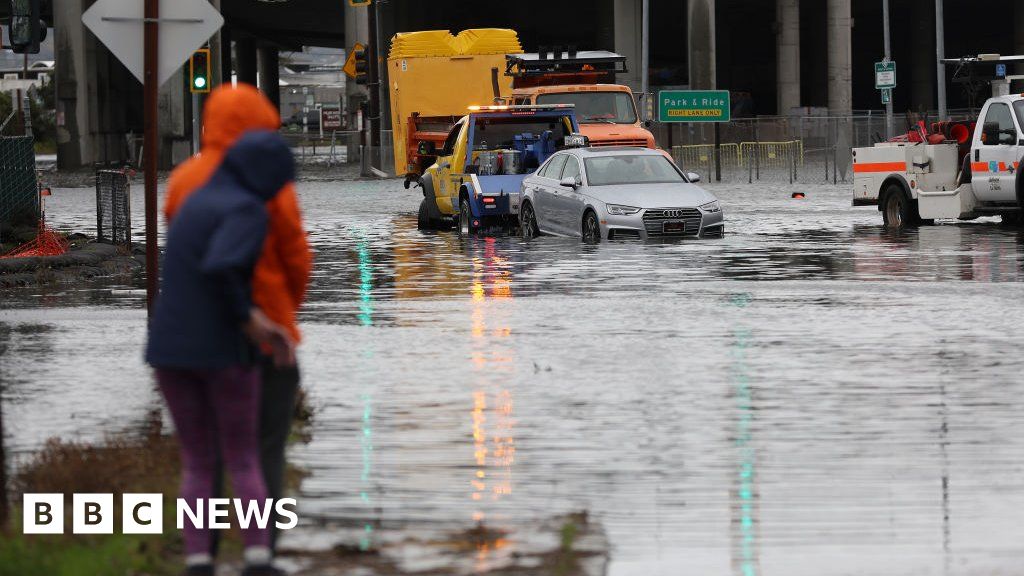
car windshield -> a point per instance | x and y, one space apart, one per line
596 107
631 169
1018 107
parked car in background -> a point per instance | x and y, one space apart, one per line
613 193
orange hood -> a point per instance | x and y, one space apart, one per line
233 110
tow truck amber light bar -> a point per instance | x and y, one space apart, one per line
519 107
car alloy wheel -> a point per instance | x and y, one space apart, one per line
591 229
528 222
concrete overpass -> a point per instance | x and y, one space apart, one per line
775 55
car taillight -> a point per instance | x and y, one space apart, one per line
488 200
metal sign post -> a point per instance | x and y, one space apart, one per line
887 93
885 81
150 89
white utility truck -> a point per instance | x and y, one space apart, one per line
917 182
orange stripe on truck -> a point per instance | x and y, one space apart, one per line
880 167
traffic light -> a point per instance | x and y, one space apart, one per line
199 71
25 30
362 64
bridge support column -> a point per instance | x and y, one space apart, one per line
73 51
840 58
628 39
787 54
245 60
270 77
701 40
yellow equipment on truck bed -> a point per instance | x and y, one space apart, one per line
433 77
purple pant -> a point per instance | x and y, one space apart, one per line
214 408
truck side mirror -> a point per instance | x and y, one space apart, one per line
990 133
648 123
426 148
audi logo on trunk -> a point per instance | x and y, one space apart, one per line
672 213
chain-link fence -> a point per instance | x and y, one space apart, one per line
113 207
19 189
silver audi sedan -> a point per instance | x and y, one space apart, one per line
607 193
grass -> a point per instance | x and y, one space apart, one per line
107 555
141 461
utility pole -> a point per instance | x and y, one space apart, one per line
373 84
940 53
888 57
151 85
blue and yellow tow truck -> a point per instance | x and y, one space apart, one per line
475 181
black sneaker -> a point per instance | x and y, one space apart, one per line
201 570
263 570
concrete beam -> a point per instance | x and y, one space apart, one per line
840 58
787 54
701 39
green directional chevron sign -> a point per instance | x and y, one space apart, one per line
694 106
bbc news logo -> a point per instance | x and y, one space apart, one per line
144 513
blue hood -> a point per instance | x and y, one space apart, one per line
261 162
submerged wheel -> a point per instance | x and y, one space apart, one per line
466 227
528 222
591 228
429 217
897 209
423 217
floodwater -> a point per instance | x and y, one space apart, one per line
809 395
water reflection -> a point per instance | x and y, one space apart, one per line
745 497
493 370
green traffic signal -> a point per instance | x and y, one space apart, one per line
199 71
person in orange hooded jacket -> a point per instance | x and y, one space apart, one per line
282 271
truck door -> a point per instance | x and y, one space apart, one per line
995 152
447 167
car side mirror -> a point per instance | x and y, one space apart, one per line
569 182
693 177
648 123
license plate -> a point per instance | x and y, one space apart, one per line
673 227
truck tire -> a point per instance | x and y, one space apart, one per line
465 223
430 218
898 209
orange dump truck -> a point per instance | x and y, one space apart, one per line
606 111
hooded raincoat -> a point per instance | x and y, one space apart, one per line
282 272
212 246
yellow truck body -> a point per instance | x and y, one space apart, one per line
435 75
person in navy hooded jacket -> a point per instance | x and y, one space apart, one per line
205 330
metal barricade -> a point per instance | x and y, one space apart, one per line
113 207
19 189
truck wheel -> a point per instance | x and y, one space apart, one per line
897 209
466 227
528 222
423 217
429 217
591 228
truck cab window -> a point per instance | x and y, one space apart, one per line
449 142
998 127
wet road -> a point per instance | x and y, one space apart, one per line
809 395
